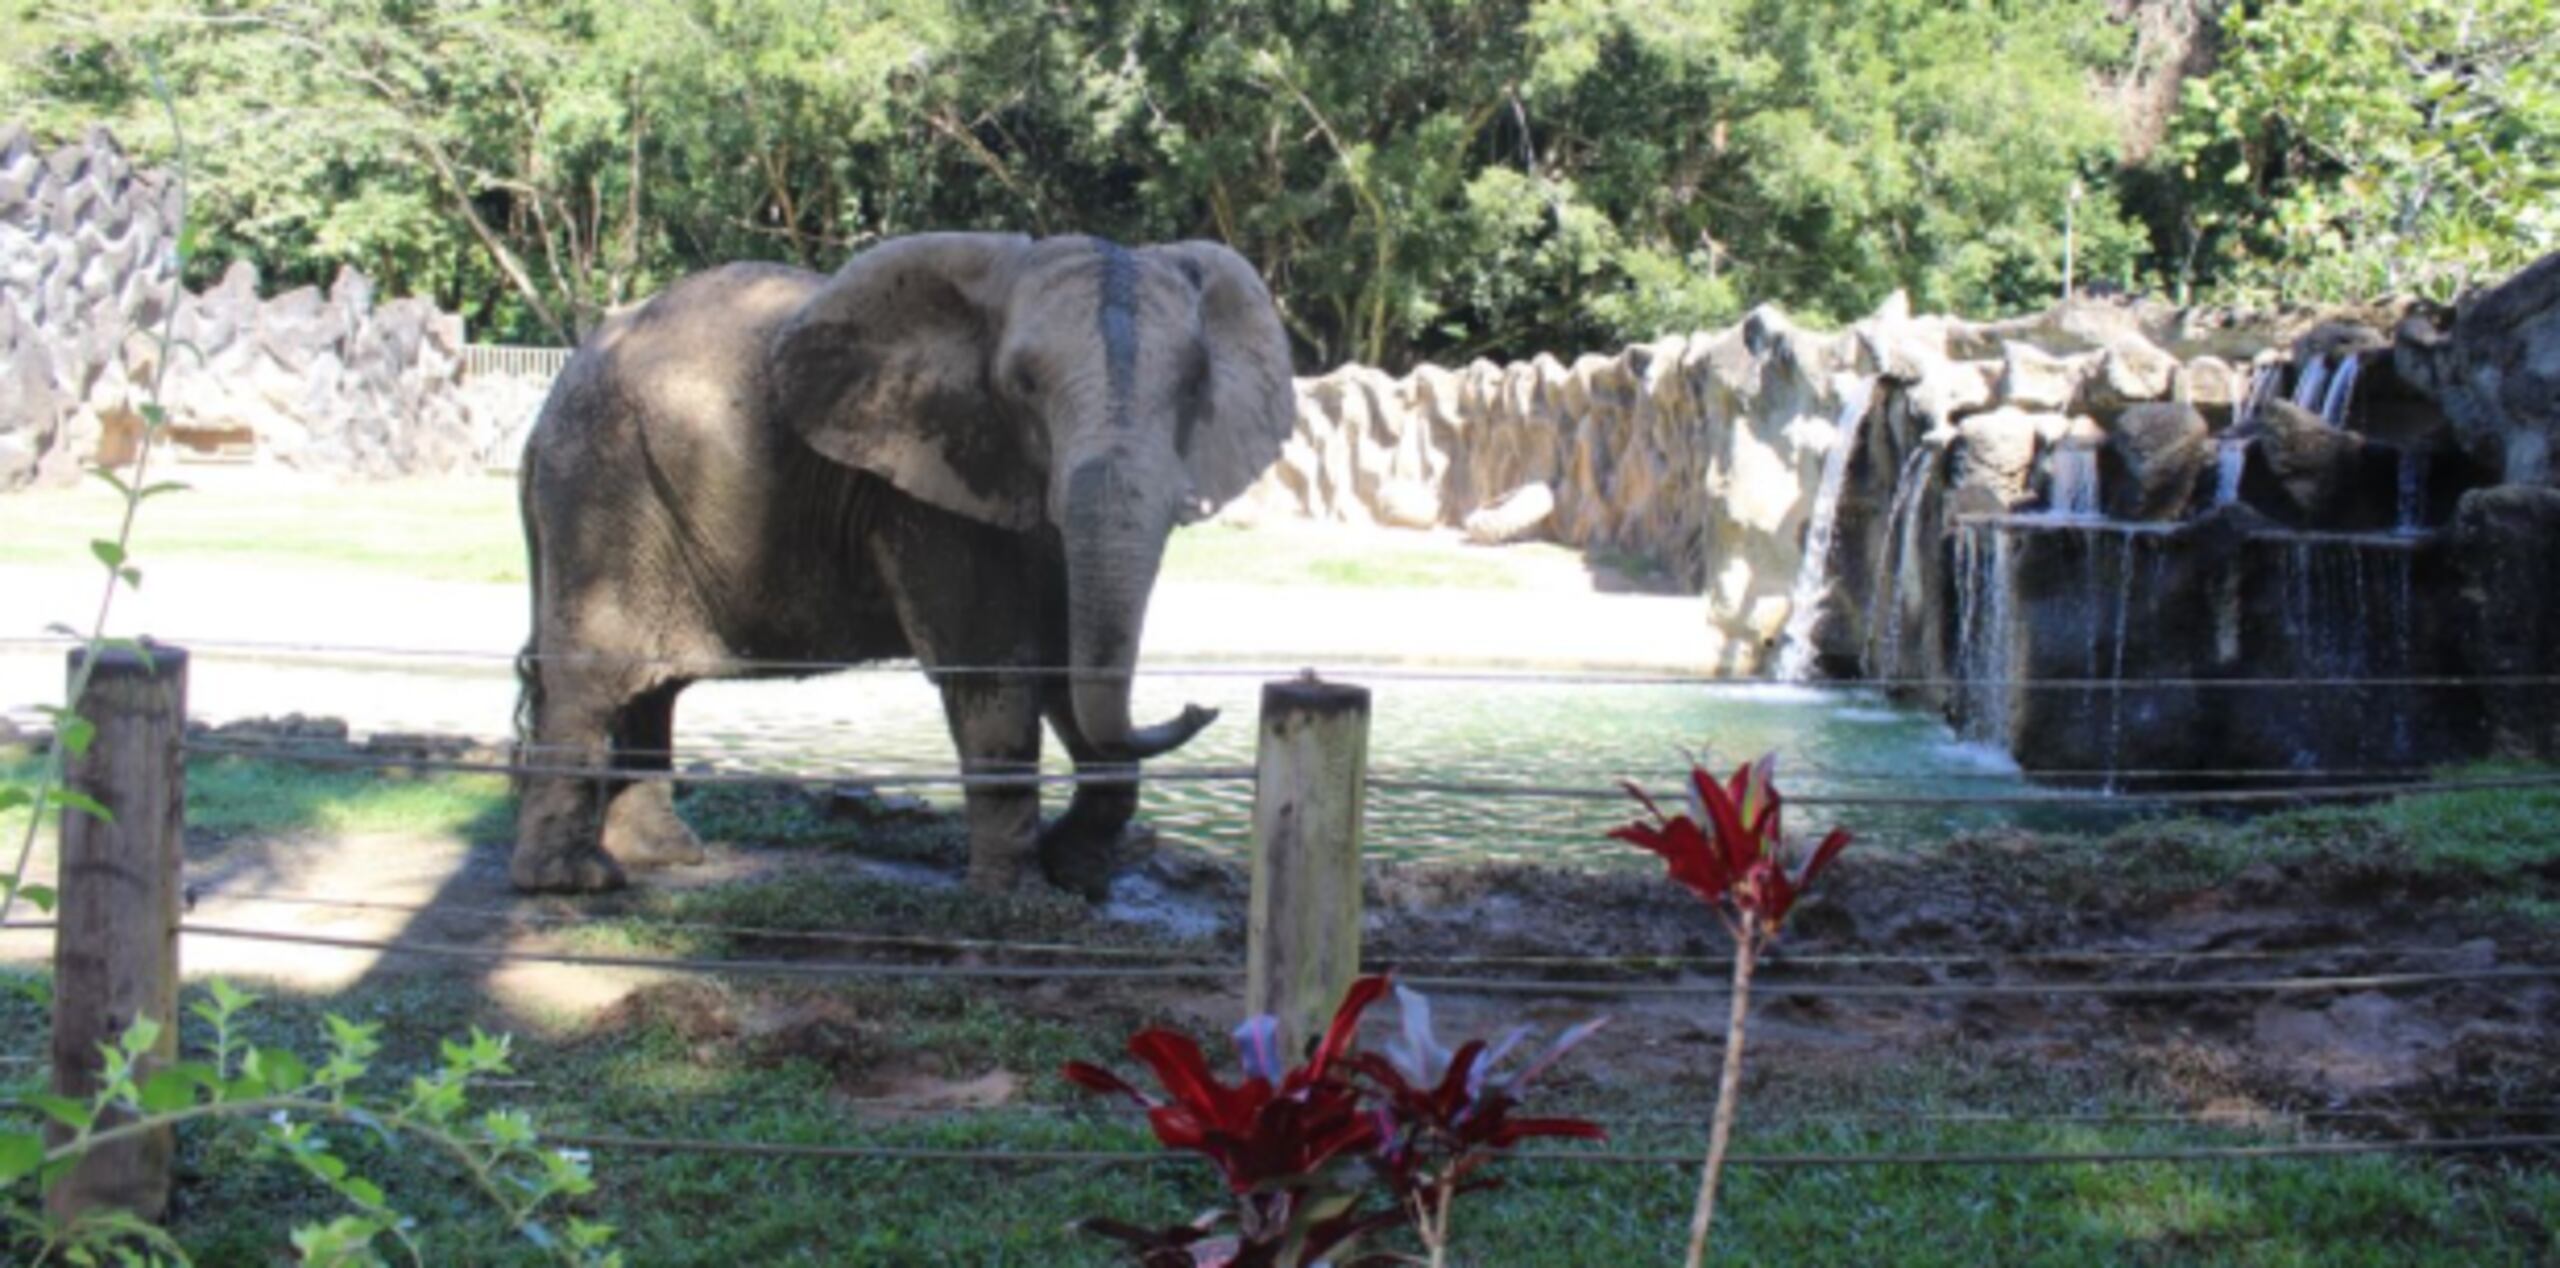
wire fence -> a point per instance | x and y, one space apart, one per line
2318 984
2302 793
1779 956
1544 976
1592 1157
1331 668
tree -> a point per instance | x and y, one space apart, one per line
2343 152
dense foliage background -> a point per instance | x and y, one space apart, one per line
1438 178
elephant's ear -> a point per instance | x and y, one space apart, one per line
886 368
1251 403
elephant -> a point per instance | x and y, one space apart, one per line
965 448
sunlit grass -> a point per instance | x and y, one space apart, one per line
467 529
437 530
252 796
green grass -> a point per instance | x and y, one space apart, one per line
467 530
1322 555
240 796
766 1062
2495 849
438 530
664 1067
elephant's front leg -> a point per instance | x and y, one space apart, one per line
1079 849
966 598
995 723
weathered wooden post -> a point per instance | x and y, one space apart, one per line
1310 780
115 942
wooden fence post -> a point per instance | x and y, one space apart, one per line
115 942
1311 776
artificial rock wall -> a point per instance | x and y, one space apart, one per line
1705 453
325 381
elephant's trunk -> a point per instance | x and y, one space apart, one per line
1114 538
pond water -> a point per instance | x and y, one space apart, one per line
1490 730
1425 726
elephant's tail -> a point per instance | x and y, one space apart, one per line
528 717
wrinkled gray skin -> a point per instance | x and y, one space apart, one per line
966 448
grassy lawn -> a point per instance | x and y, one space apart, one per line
663 1067
438 530
772 1062
2492 845
467 530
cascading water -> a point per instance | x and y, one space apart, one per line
2262 388
1813 574
1902 556
2073 493
2231 461
2312 388
2349 613
1984 622
2125 555
2341 394
2413 491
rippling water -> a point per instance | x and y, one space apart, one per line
1553 735
1547 735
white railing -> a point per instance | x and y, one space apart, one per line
526 363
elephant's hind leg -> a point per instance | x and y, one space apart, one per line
641 828
556 821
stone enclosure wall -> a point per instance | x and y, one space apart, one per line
1706 454
324 381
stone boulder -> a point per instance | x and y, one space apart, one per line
2506 550
1993 460
2493 367
2308 474
1513 517
2215 388
2033 379
2129 370
2157 455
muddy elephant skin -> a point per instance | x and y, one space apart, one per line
964 448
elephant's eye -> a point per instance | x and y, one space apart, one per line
1024 379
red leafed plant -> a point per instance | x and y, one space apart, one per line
1450 1117
1730 851
1272 1135
1423 1119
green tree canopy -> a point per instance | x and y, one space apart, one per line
1441 178
2346 151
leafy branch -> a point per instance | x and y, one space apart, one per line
499 1152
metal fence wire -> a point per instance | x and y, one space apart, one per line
1637 977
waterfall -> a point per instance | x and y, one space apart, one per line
2327 612
2073 491
2309 390
2413 491
1984 619
1813 573
1902 556
2342 391
2262 388
2231 460
2115 673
